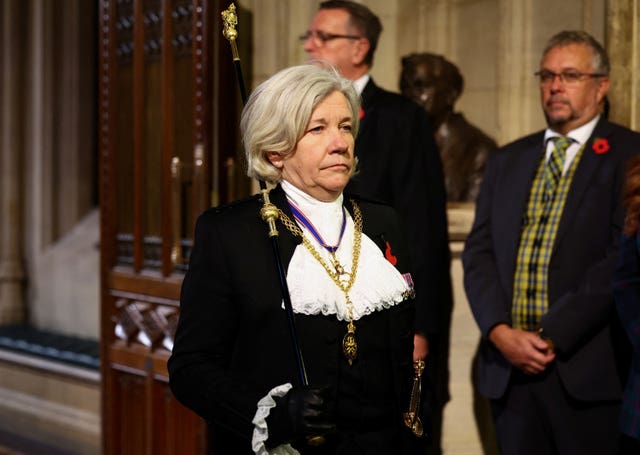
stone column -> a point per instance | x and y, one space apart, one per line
623 20
276 27
517 96
426 26
11 262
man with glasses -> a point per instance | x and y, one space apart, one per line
539 265
398 163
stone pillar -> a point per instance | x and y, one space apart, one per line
426 26
11 262
623 20
276 27
39 133
516 92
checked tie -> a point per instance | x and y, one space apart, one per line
553 169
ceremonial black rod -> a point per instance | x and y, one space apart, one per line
229 31
269 212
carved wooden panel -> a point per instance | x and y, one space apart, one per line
128 396
178 429
151 325
168 127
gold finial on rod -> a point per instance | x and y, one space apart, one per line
230 20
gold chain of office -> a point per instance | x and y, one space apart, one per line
349 344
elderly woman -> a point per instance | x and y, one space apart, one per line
233 361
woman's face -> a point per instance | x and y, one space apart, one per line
323 159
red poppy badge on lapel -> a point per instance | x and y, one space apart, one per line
389 256
600 146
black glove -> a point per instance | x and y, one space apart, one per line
302 411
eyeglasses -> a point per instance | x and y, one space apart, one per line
320 38
566 77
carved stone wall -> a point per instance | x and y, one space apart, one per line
623 44
47 162
497 61
12 275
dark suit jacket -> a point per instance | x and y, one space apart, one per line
232 343
581 319
399 164
627 296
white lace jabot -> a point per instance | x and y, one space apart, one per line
378 284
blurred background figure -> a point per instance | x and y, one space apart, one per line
435 84
627 295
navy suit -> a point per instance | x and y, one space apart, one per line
591 353
399 164
627 294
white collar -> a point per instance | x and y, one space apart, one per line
325 216
360 83
580 135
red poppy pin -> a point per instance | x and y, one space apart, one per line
389 255
600 146
361 114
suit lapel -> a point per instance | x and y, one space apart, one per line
368 96
589 163
512 198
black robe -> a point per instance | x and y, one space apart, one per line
232 343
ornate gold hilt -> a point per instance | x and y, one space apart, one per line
411 418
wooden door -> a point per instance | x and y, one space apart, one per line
168 110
